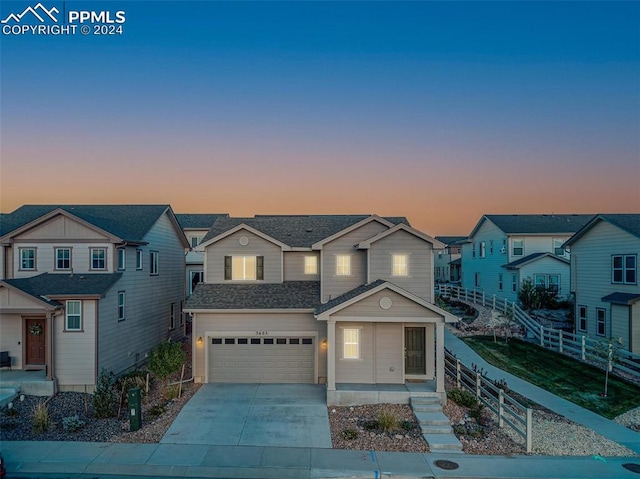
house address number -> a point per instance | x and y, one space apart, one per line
262 333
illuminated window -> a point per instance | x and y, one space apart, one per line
400 265
351 349
343 265
244 268
310 265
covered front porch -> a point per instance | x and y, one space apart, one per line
351 394
30 382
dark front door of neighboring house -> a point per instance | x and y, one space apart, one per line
36 340
414 362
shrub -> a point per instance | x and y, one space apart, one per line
41 419
370 425
462 398
166 358
156 410
134 379
72 423
407 425
387 421
350 434
172 392
104 397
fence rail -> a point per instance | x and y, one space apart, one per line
508 410
581 347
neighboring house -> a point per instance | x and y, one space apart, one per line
86 287
504 250
604 272
195 227
446 265
315 299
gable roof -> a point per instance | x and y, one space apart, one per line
127 222
626 222
418 234
206 242
449 240
200 221
50 285
294 230
533 257
287 295
535 224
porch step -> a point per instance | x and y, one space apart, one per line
436 426
432 418
424 401
431 407
436 429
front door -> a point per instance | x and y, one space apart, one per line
36 334
414 353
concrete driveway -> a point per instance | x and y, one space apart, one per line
286 415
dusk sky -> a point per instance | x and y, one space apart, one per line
438 111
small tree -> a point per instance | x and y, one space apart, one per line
166 358
606 352
104 397
528 295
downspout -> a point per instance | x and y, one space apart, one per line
51 353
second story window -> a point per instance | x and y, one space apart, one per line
310 265
63 258
121 298
490 246
244 268
138 259
122 254
343 265
400 265
153 263
558 250
517 247
623 269
98 258
196 240
73 316
27 259
483 249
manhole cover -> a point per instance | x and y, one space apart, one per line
444 464
633 467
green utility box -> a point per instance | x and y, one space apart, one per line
135 409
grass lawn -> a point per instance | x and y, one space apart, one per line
565 377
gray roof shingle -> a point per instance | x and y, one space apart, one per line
198 220
292 230
347 296
621 298
47 284
449 240
539 224
628 222
287 295
128 222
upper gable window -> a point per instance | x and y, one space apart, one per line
310 265
623 269
243 268
122 255
98 258
400 265
63 258
343 265
483 249
27 258
518 247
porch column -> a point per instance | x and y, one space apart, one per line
440 357
50 342
331 355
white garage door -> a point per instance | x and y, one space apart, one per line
278 359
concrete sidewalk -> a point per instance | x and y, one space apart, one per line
34 459
603 426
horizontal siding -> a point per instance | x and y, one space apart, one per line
230 246
635 328
294 266
389 357
401 308
546 266
45 257
11 338
355 370
75 351
420 279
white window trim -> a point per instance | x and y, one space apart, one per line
66 316
405 256
35 261
348 265
513 246
351 343
172 317
122 255
154 260
580 308
604 322
121 294
139 259
91 250
623 269
309 267
191 275
56 259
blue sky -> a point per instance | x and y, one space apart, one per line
331 107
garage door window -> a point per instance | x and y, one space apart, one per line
294 341
243 340
229 341
255 340
216 340
268 341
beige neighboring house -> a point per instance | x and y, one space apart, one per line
86 287
604 278
345 300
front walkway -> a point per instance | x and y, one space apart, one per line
603 426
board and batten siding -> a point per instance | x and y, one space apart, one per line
420 268
148 298
294 266
230 246
256 325
334 285
74 357
591 258
389 357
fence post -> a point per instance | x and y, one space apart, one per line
542 336
560 340
584 348
529 429
493 302
478 378
500 408
466 295
483 299
458 379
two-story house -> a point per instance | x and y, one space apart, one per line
340 300
86 287
195 227
604 278
504 250
446 262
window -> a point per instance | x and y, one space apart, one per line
483 248
351 348
98 258
554 282
196 240
343 265
310 265
540 280
172 316
120 305
623 269
181 313
477 280
73 316
63 258
138 259
121 258
153 262
28 258
582 318
473 250
518 247
499 281
601 321
244 268
197 277
514 283
490 246
400 265
558 250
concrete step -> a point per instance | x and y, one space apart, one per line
432 419
422 401
436 429
427 407
7 395
442 442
